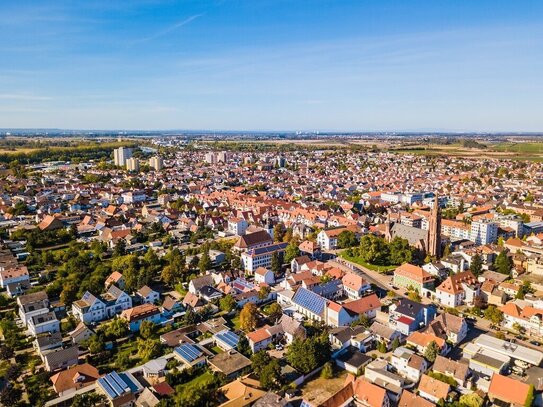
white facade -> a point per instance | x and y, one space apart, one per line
484 232
157 163
43 323
133 164
120 155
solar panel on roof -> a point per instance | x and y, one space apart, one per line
228 337
309 300
188 352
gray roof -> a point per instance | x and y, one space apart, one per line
411 234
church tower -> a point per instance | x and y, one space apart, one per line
434 230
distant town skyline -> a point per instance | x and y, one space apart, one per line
272 65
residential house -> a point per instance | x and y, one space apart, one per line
409 399
327 238
385 334
190 354
32 304
504 390
354 285
13 275
253 241
93 309
148 295
408 364
136 315
452 328
75 378
196 284
345 314
457 370
407 316
421 340
264 276
411 276
81 333
244 391
43 323
120 389
297 263
432 389
117 279
458 289
61 358
526 316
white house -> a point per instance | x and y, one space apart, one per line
345 314
11 275
261 256
32 304
237 226
39 324
458 289
408 364
148 295
93 309
263 275
354 286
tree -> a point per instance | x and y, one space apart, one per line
116 328
530 397
471 400
264 292
279 232
414 296
89 399
327 371
148 349
517 327
373 249
494 315
227 303
95 344
120 248
306 355
382 347
400 251
204 263
243 345
260 360
362 320
270 375
147 328
248 318
395 344
276 263
292 251
431 352
10 396
346 239
122 361
275 311
503 263
525 288
6 352
476 265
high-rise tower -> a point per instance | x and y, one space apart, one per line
434 230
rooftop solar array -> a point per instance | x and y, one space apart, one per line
188 352
269 249
227 337
113 385
309 300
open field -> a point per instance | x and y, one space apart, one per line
318 390
358 260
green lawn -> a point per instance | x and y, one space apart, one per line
358 260
203 379
234 322
216 350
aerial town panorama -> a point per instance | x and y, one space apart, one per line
271 203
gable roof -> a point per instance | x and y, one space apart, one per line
508 390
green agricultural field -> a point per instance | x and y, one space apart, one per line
533 148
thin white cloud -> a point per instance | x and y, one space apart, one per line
22 96
169 29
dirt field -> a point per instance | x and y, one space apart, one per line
318 389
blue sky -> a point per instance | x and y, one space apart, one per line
272 65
